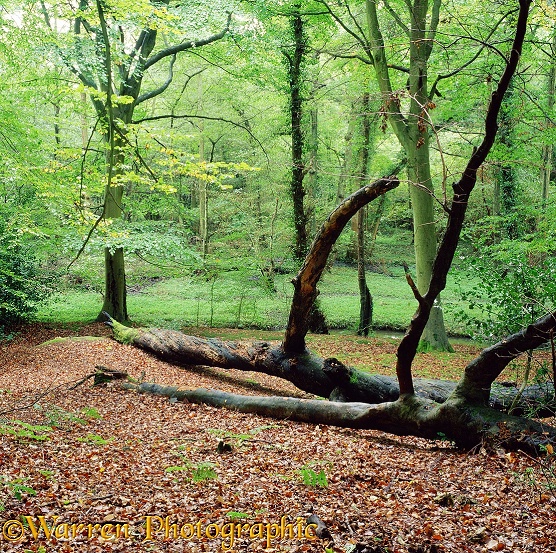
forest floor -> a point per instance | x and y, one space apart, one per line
101 469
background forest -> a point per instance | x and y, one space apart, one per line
232 129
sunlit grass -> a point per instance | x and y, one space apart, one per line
239 299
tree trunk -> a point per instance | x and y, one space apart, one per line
365 298
466 425
295 64
412 131
548 149
115 293
506 175
202 183
331 379
305 283
115 290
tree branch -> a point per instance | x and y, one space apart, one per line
391 103
305 283
412 284
462 190
161 88
484 44
484 369
435 18
359 38
397 18
186 45
208 118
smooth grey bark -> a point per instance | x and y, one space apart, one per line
412 131
466 425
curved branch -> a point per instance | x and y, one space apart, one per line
462 190
162 87
484 369
186 45
305 283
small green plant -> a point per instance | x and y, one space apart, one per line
25 431
226 435
17 487
237 515
199 472
95 439
313 478
541 477
177 468
204 471
57 417
90 413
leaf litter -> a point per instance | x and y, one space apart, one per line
115 459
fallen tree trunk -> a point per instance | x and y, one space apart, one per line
327 378
466 425
460 413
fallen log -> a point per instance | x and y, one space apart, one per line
464 424
326 378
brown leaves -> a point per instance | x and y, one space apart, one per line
382 493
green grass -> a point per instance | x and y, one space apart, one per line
237 299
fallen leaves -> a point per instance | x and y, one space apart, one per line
374 492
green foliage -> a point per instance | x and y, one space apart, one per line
204 471
312 477
237 515
511 289
90 413
25 431
23 284
177 468
57 417
199 472
95 439
17 487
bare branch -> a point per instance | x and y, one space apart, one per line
484 44
186 45
161 88
359 38
411 283
208 118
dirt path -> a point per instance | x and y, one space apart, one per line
130 467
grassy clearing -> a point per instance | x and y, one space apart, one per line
238 298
